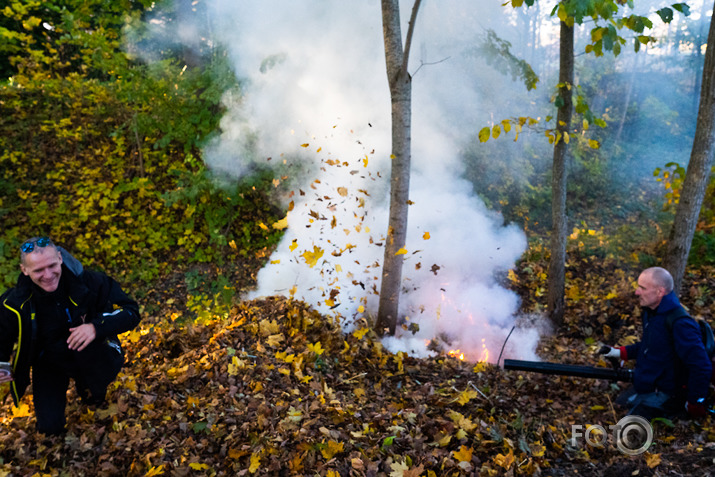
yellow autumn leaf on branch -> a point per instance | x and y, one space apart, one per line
311 258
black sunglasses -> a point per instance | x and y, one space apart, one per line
29 246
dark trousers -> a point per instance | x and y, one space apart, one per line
92 369
648 405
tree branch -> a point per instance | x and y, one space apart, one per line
408 39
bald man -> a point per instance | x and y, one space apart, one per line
672 370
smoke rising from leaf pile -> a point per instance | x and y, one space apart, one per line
316 105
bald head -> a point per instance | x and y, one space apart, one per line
661 277
653 284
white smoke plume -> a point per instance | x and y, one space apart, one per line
316 100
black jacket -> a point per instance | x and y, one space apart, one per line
94 298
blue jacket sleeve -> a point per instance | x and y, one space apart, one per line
690 349
632 350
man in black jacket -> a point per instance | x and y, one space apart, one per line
62 321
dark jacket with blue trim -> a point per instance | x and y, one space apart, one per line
659 350
94 298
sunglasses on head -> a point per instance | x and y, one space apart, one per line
29 246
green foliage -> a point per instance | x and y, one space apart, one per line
100 151
497 53
702 249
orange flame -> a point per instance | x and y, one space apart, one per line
455 353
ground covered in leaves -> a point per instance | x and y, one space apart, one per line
273 388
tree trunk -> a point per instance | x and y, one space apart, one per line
401 99
557 263
698 173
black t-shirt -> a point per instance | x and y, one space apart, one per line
53 319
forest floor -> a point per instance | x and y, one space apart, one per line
274 388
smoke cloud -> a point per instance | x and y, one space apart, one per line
316 104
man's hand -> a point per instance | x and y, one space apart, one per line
609 352
81 336
696 409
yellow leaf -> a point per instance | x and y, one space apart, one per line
361 309
274 340
305 145
197 466
652 460
262 226
465 396
464 454
21 411
537 450
402 251
158 470
593 144
426 236
293 245
311 258
496 131
360 333
338 268
399 469
332 449
343 191
364 162
597 408
275 262
512 276
232 244
235 365
505 461
281 224
480 366
255 463
484 134
444 441
316 348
